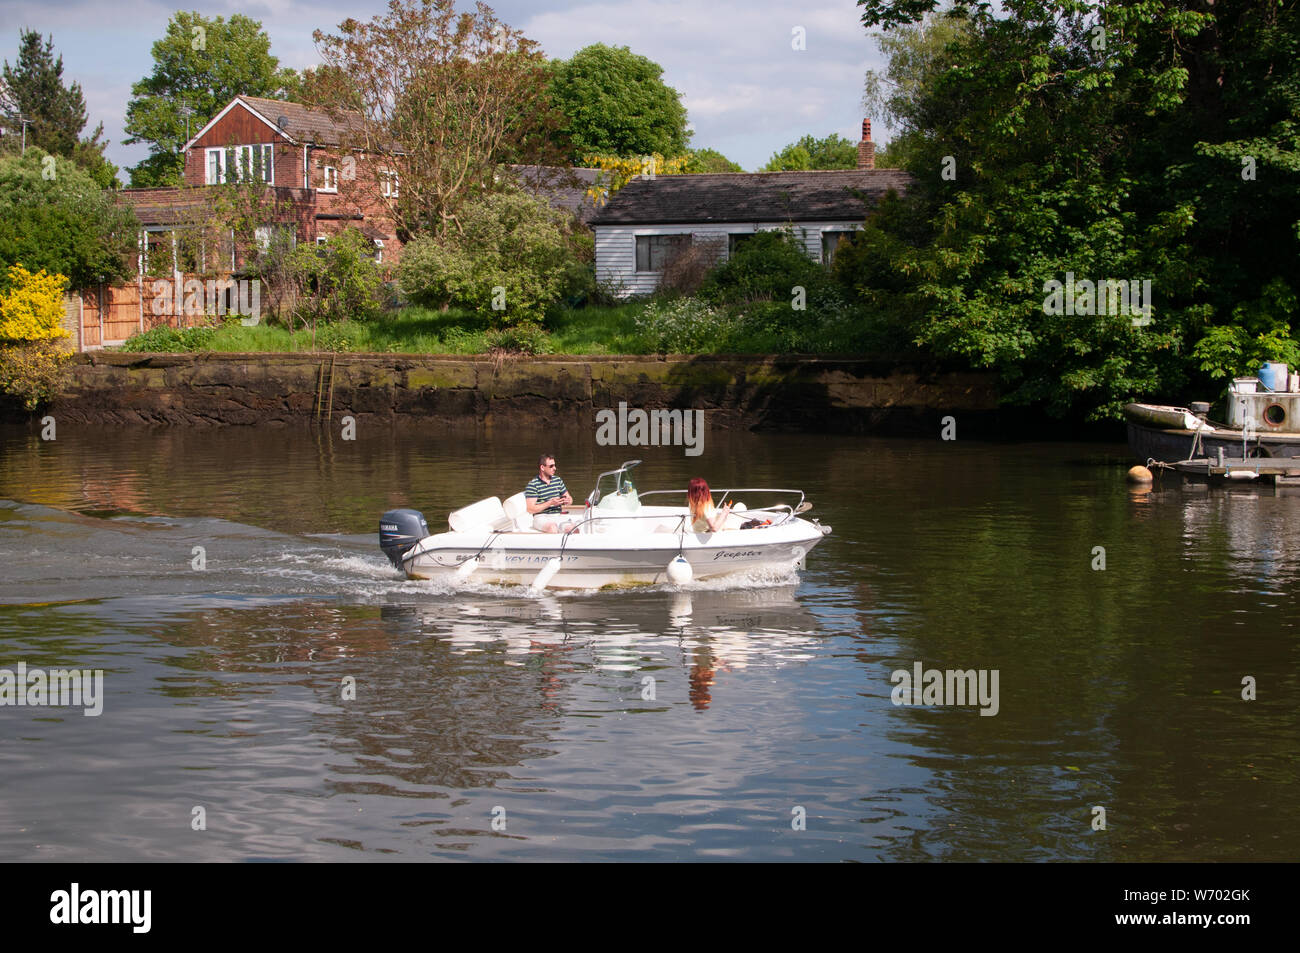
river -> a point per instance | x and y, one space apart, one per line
272 689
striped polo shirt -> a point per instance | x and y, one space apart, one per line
545 492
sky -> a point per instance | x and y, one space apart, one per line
747 91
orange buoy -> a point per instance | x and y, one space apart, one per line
1139 474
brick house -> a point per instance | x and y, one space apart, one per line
314 182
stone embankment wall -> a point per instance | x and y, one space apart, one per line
789 393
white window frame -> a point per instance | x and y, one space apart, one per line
379 251
329 174
217 163
652 239
388 183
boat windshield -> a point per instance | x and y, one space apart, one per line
618 484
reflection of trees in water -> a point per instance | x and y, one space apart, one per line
1108 677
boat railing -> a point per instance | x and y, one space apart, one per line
748 489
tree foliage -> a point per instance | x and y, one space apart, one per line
833 152
1100 141
507 263
456 94
620 170
337 279
54 216
56 114
615 102
710 160
200 64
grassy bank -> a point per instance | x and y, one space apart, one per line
410 330
681 326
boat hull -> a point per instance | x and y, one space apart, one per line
1167 445
597 560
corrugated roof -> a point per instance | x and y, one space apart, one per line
741 197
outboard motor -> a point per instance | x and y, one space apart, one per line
399 531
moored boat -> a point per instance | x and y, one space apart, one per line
1262 422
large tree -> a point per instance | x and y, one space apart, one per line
55 114
615 102
54 216
452 95
200 64
1112 141
833 152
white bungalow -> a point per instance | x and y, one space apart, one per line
651 219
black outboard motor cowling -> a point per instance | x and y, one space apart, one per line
399 530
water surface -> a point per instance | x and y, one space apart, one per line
708 722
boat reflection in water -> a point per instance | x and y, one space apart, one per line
700 631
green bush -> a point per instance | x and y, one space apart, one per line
511 257
337 280
524 338
167 340
33 372
766 267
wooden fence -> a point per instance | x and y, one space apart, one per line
106 315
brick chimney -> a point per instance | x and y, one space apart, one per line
866 148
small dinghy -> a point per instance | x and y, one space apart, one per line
617 539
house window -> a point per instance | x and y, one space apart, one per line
241 164
735 241
379 251
388 183
654 251
331 180
831 243
262 235
322 239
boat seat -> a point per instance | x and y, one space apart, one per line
484 515
516 510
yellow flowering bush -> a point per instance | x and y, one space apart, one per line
32 307
623 169
33 373
33 361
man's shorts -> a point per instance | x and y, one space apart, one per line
561 521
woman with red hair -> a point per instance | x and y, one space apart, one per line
705 517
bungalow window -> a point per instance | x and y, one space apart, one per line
735 241
241 164
388 183
654 251
331 180
831 243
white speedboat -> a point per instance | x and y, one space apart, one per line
617 539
